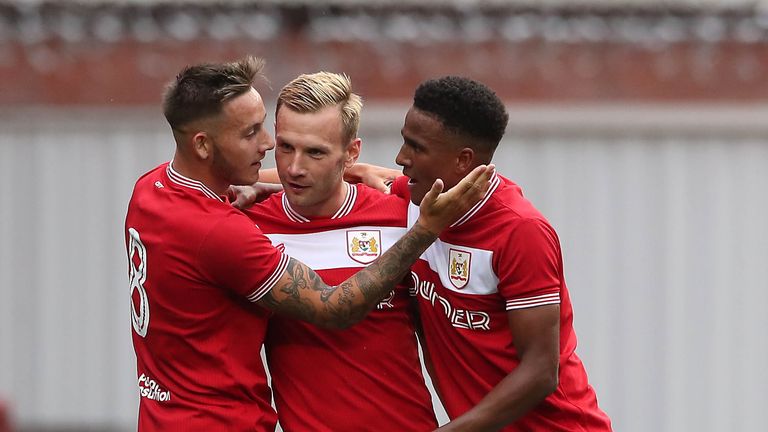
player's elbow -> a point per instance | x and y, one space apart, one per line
548 381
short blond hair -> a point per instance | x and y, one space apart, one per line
309 93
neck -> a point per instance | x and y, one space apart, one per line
327 208
196 171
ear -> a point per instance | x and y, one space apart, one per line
465 160
202 145
353 152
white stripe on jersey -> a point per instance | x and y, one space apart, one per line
492 188
271 280
349 202
188 182
528 302
328 249
345 209
291 213
482 279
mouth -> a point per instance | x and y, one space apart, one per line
295 187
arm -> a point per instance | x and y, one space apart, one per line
269 175
374 176
300 293
243 197
537 342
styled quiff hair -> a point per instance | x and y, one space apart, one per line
310 93
200 91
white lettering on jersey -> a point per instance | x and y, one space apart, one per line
150 389
459 318
386 303
137 273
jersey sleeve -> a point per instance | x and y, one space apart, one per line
530 266
238 256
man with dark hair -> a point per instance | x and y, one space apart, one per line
195 262
495 311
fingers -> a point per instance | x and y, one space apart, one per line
434 191
242 197
477 180
380 185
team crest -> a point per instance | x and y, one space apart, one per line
458 267
364 246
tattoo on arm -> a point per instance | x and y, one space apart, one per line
301 293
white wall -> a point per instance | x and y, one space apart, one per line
662 215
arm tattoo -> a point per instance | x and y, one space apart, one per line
305 296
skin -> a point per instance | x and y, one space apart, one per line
228 148
311 156
429 152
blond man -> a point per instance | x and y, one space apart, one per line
367 377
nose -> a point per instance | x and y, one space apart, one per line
296 168
267 142
402 158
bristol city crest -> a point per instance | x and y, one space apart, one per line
364 246
458 267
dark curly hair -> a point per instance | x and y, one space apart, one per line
466 107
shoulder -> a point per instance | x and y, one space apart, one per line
230 227
270 206
367 194
150 177
509 202
379 206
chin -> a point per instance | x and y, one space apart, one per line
417 199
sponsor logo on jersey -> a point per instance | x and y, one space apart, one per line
458 267
458 317
150 389
386 303
364 246
158 184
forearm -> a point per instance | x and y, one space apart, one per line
515 395
269 175
304 295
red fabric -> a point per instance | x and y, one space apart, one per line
5 417
367 377
198 364
514 261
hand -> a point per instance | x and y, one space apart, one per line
439 210
243 197
371 175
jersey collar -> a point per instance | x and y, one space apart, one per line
476 208
345 209
187 182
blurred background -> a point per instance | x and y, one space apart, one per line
639 127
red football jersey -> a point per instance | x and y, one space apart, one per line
500 256
194 264
367 377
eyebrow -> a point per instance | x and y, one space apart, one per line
254 125
412 143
